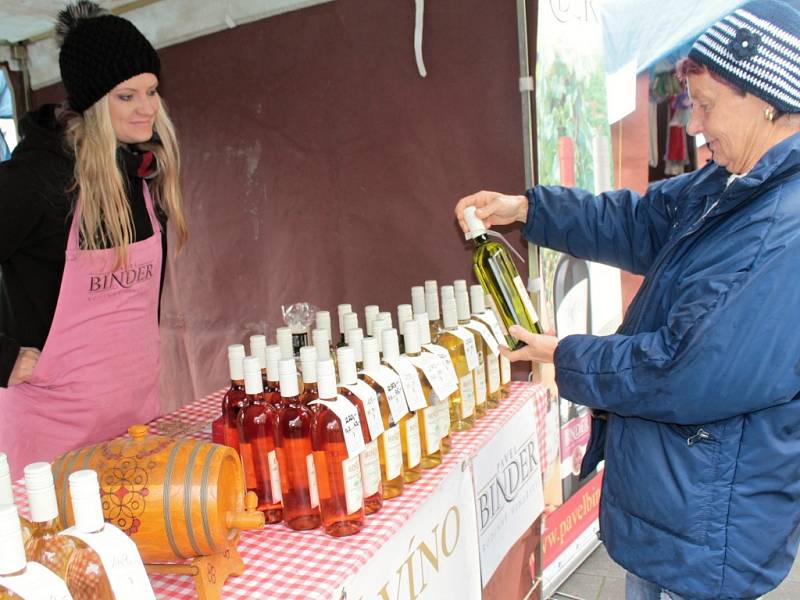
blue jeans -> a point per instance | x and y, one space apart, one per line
637 588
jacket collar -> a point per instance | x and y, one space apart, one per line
781 160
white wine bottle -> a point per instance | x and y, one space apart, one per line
499 277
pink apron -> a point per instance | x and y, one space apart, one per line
99 369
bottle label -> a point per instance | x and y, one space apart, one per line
467 387
480 384
526 299
493 371
470 349
444 419
36 582
372 408
412 388
392 387
121 561
430 419
392 452
447 362
413 443
313 490
435 371
274 477
347 413
490 319
505 370
370 469
353 489
487 336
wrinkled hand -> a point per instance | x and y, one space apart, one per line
23 368
493 208
540 348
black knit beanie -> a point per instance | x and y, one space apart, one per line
98 52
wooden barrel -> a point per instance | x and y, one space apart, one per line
175 498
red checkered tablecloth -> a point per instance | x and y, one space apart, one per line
286 564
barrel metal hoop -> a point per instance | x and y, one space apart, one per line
187 497
204 497
167 489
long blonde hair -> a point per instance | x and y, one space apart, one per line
105 217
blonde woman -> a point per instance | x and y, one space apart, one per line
84 202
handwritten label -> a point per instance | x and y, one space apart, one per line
353 488
413 448
435 371
447 362
412 388
470 349
120 559
430 422
493 371
347 414
505 370
36 582
488 337
313 490
274 477
370 469
467 387
490 319
392 387
480 384
392 452
372 408
444 419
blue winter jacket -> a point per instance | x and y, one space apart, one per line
701 492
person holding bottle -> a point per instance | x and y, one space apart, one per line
83 210
700 386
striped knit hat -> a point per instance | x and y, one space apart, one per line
757 48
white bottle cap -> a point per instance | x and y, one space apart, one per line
349 321
431 287
475 225
308 364
347 365
273 356
284 339
287 375
355 339
377 327
462 305
447 291
418 299
258 348
404 313
6 490
372 355
342 310
389 345
449 314
326 376
460 285
12 550
411 336
252 376
423 329
323 321
432 305
322 342
41 492
476 296
235 357
87 507
386 316
370 313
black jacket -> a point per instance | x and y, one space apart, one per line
35 217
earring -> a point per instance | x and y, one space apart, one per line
769 113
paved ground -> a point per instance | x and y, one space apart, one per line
600 578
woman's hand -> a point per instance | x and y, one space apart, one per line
540 348
23 368
493 208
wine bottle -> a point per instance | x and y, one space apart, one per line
323 321
299 491
490 351
355 341
455 341
479 372
20 579
364 398
257 424
498 275
349 321
428 417
272 385
7 496
505 364
418 300
387 385
404 313
378 326
432 307
370 314
409 424
341 493
322 342
342 310
45 545
285 341
443 407
258 348
308 368
234 398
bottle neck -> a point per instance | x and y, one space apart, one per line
480 240
255 398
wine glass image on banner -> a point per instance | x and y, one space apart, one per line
571 295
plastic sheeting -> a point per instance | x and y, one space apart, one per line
6 112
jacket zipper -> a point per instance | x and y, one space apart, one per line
701 436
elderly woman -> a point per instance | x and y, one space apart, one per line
700 387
